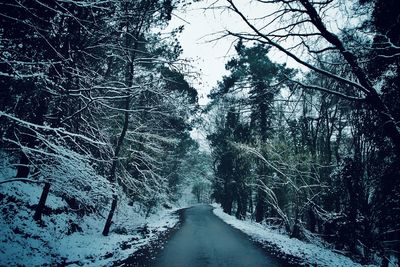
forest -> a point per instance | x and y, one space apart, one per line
98 107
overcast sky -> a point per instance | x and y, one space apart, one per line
200 27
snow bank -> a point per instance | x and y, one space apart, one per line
90 248
310 253
65 237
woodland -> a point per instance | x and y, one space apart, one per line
97 106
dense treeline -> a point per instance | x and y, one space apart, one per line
94 101
315 152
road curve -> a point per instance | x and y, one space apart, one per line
204 240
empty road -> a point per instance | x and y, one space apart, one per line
206 241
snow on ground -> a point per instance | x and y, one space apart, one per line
311 254
64 237
93 249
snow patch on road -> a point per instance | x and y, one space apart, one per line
310 253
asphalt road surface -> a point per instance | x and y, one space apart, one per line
204 240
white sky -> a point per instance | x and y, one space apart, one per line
209 57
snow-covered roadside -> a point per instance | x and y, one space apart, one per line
93 249
309 253
66 238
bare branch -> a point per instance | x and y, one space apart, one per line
24 180
322 89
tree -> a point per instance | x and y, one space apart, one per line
349 100
199 189
254 81
40 71
95 82
303 23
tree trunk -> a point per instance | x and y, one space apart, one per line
40 207
260 205
312 219
112 177
296 230
23 169
241 207
385 262
251 208
227 204
129 82
106 229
